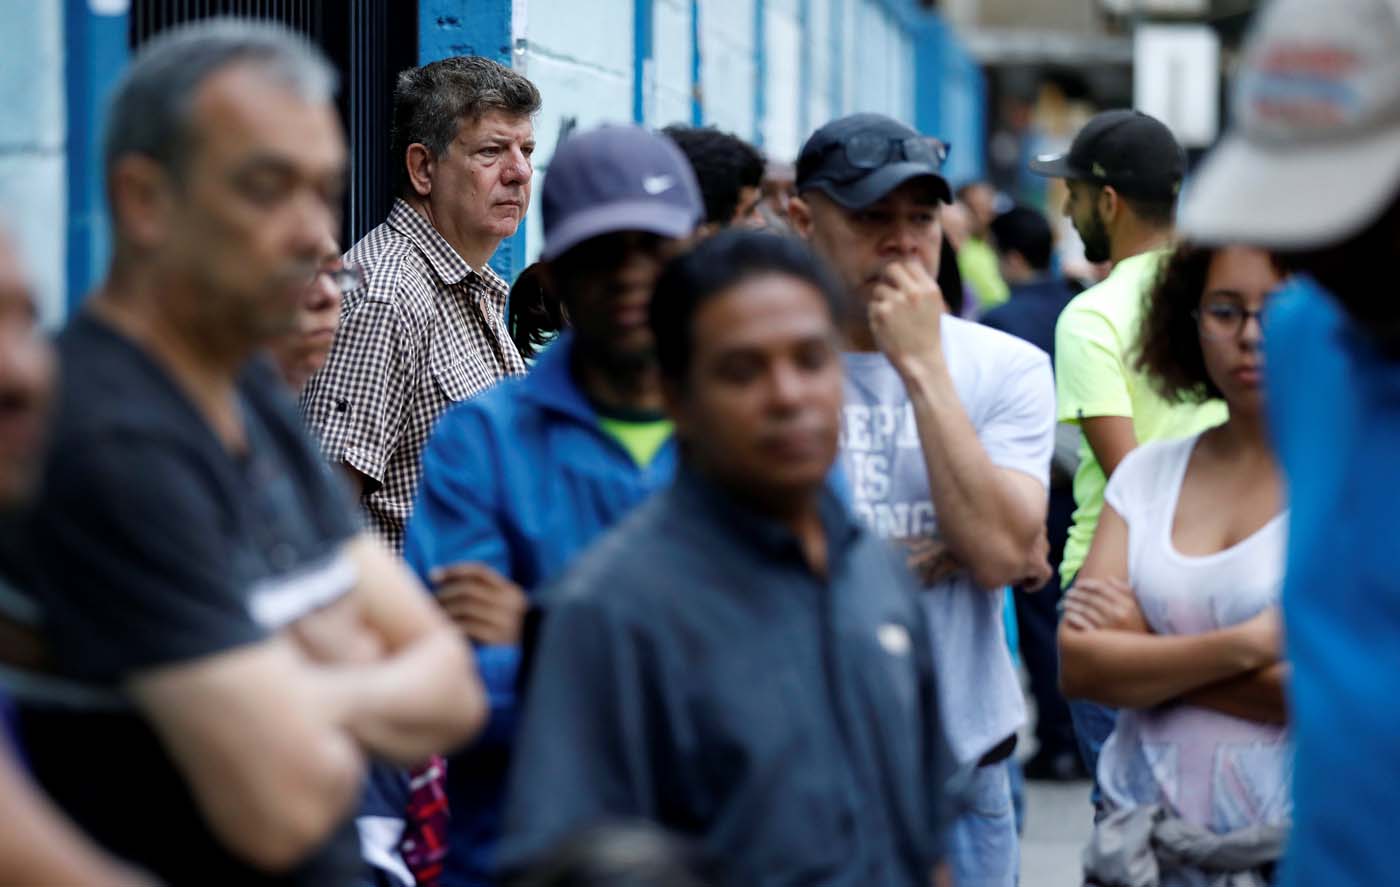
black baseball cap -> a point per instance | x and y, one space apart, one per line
1130 150
617 178
858 159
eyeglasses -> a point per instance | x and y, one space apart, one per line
1225 320
868 151
346 278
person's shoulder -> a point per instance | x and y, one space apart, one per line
1004 316
1312 349
260 381
1149 460
1122 290
500 409
1053 293
1301 312
109 386
1121 294
99 465
1095 299
1103 312
395 273
482 430
991 346
618 574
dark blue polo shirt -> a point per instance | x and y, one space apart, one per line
693 671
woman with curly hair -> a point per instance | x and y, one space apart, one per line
1174 616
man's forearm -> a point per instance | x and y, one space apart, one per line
981 520
424 700
1257 696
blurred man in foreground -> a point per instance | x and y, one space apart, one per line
242 647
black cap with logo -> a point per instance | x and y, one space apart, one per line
858 159
1131 151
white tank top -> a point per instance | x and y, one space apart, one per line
1212 769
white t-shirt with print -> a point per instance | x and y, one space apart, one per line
1210 768
1006 387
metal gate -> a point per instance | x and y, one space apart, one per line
368 44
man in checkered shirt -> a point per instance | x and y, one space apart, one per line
427 329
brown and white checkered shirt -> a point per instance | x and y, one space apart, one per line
424 332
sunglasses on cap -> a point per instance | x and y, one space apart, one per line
868 151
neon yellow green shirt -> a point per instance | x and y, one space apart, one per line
1095 339
641 439
977 262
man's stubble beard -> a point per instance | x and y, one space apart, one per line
1095 238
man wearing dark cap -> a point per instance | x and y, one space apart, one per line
947 434
521 479
1123 171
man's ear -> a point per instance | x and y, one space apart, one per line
1019 266
1110 204
420 164
800 216
141 195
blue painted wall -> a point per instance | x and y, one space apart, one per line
96 45
768 70
33 132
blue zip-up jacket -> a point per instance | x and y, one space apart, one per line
521 478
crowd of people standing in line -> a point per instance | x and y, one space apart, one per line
692 565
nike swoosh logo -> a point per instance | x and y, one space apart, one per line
657 184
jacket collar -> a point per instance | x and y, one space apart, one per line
551 384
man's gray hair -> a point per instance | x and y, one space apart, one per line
153 103
431 102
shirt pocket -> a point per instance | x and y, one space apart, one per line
458 381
